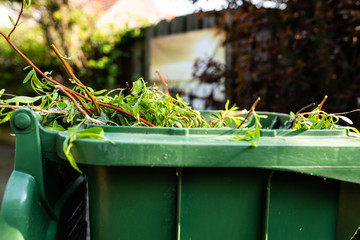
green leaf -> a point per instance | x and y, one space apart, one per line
22 99
12 21
67 151
36 81
320 124
69 58
55 127
256 138
2 92
137 87
227 105
93 130
6 118
28 76
345 119
27 4
61 105
99 92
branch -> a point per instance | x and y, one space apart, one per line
127 113
75 78
250 111
163 82
18 19
321 105
61 88
14 107
83 104
30 62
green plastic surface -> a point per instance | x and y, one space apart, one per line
162 183
44 197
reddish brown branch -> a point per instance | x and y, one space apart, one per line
127 113
163 82
75 78
18 19
193 120
83 104
64 87
250 111
30 62
61 88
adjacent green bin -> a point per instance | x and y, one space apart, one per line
163 183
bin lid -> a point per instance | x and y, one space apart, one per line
326 153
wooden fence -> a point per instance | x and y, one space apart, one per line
138 63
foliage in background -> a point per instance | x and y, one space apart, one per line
97 53
293 56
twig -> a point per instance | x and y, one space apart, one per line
129 89
30 62
113 107
321 105
193 121
61 88
306 107
75 78
116 89
228 116
308 113
33 108
298 113
18 19
182 119
82 104
59 84
250 111
344 113
163 82
127 113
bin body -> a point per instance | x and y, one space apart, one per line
44 198
162 183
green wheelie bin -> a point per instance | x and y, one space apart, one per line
167 183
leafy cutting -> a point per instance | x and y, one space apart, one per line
59 107
319 119
76 105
